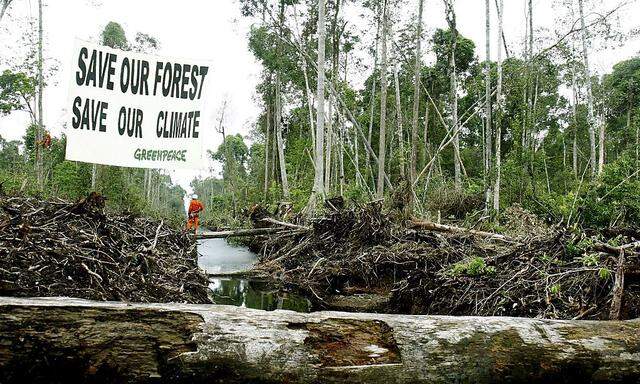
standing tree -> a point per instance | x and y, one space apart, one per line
383 104
278 111
488 127
40 126
317 193
416 104
589 90
499 112
453 91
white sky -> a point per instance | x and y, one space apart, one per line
214 30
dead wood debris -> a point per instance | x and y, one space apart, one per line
552 273
57 248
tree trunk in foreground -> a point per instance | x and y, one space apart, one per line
71 340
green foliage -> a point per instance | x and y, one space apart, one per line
464 54
16 91
472 267
613 198
604 274
590 260
113 36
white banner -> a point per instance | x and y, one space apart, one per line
137 110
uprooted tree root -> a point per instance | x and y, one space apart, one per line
555 275
57 248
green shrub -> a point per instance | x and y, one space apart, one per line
473 267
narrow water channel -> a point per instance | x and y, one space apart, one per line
219 258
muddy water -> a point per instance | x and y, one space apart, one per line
217 257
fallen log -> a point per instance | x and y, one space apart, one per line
64 340
285 224
237 233
428 225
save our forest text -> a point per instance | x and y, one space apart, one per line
97 69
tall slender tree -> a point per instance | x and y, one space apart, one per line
278 113
487 101
416 103
266 148
40 126
589 91
317 193
499 112
453 91
383 104
399 124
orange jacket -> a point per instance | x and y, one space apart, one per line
195 206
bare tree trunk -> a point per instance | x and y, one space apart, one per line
383 106
278 125
309 101
344 135
574 88
637 142
40 126
341 159
331 170
400 128
372 101
499 112
487 100
94 176
527 132
587 75
416 105
453 95
266 152
229 160
280 141
328 147
317 193
601 145
425 138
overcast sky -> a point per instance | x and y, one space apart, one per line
214 30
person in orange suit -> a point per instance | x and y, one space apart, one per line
195 207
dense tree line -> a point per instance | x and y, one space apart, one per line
452 137
399 111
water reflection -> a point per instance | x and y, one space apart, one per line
218 256
255 294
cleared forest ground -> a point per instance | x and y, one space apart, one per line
58 248
533 271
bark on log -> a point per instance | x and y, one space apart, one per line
62 340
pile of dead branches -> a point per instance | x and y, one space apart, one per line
437 269
57 248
